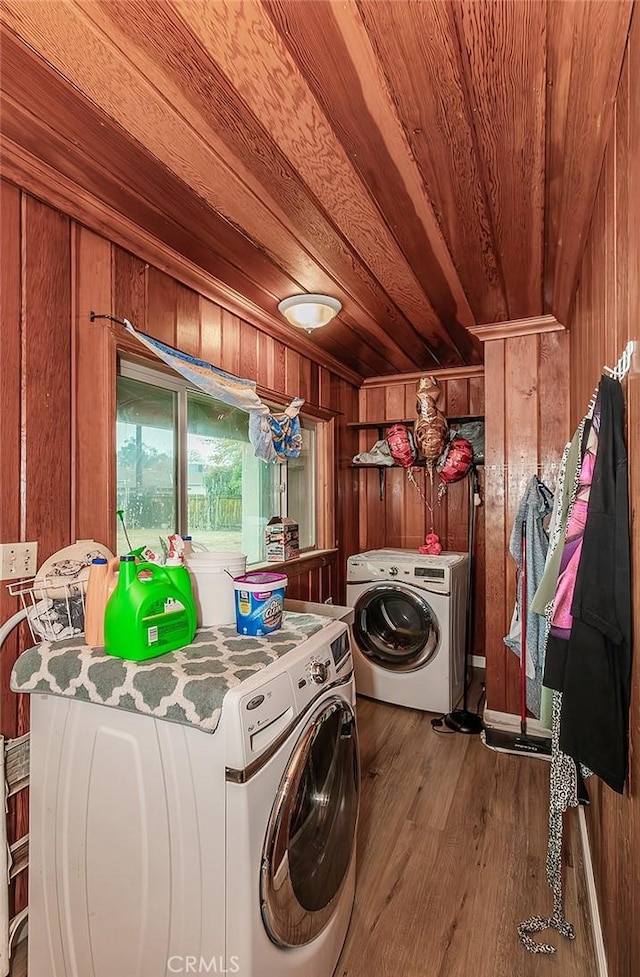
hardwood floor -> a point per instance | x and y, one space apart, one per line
452 848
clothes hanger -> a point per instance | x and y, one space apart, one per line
617 372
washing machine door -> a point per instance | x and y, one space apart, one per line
395 627
312 830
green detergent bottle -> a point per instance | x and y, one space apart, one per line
150 612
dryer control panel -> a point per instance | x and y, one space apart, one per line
433 573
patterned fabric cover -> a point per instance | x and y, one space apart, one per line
185 686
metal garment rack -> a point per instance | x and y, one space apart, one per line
617 372
14 777
36 599
622 367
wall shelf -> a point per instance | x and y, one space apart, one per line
381 426
420 463
460 419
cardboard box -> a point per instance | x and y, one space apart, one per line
282 539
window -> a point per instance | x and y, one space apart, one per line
185 464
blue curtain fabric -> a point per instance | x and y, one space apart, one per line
275 437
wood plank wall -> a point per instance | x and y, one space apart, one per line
401 518
57 423
605 317
527 426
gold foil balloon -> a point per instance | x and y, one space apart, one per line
431 424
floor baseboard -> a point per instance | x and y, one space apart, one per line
594 910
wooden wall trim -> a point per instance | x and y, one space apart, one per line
45 183
526 428
516 327
455 373
93 382
305 563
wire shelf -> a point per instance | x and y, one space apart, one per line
54 610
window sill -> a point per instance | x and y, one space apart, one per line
303 564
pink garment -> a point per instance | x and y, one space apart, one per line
562 619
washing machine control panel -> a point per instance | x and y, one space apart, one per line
313 673
262 711
319 671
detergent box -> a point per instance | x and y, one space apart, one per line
282 539
259 602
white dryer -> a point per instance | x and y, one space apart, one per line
160 849
409 627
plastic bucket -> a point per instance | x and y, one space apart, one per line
212 578
259 602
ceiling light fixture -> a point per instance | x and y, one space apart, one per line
309 311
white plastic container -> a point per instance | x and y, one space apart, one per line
259 602
212 578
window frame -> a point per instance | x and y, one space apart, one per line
155 373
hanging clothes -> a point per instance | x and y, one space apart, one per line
597 676
561 618
566 781
563 794
535 506
566 490
593 664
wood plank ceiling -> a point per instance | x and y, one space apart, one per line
431 164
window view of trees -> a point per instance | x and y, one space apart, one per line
214 491
146 491
185 464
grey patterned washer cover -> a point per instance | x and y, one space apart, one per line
185 686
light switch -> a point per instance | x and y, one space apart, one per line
18 560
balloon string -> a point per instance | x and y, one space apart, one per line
411 478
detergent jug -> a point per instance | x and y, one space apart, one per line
150 612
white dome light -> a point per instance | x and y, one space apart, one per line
309 311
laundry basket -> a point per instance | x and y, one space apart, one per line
53 610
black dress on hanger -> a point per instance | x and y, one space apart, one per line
597 675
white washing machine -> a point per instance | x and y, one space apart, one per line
160 849
409 627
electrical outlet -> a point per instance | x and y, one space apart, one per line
18 560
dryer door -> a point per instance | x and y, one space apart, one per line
395 627
312 830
